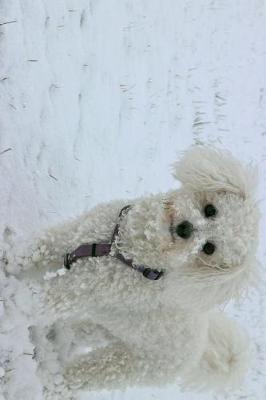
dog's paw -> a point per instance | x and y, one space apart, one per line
225 359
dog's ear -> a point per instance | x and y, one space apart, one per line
199 286
203 168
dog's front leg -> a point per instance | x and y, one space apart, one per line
224 360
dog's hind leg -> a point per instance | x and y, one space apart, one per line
112 366
118 366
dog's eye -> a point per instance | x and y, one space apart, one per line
209 248
210 211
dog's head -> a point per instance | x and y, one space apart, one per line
216 225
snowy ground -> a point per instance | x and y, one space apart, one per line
96 99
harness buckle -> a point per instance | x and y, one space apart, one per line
67 261
152 274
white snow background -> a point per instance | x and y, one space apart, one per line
96 99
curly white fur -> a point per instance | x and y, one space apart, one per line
156 331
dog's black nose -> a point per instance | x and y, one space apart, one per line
184 229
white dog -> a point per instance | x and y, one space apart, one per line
142 311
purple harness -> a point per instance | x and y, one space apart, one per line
103 249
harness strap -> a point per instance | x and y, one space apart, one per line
103 249
87 250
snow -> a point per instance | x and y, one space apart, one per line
96 99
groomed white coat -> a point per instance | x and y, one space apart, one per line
155 332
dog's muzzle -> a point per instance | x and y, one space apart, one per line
184 229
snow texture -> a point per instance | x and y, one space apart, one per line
96 99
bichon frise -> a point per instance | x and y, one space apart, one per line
143 278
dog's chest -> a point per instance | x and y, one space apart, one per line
100 283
